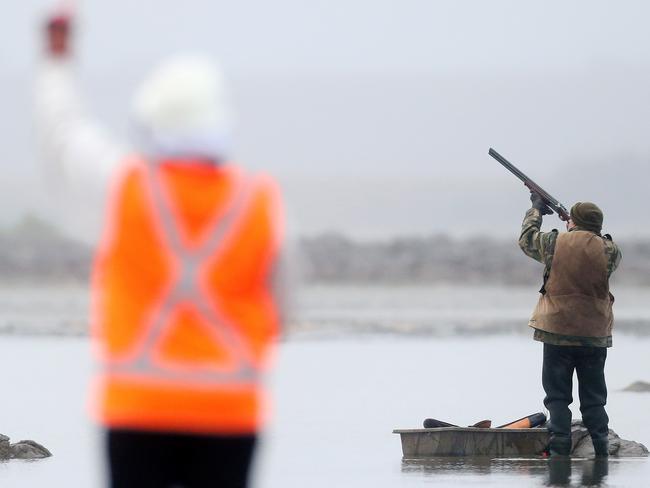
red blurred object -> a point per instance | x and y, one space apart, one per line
58 27
60 20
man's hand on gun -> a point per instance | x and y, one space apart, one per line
541 199
539 204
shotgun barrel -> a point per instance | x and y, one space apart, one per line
549 200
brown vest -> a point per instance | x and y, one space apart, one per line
577 301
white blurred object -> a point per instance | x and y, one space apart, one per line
181 109
80 155
74 144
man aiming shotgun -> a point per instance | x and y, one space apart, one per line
573 317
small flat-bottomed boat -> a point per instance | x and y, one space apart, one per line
472 441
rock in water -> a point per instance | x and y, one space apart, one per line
638 386
5 448
21 450
582 446
29 450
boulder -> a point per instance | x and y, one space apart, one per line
582 446
29 450
638 386
21 450
5 448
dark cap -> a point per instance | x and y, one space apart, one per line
588 216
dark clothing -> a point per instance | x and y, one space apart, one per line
557 379
573 319
141 459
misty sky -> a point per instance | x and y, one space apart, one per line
377 115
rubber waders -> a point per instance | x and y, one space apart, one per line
601 446
560 446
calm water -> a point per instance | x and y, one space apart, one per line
340 386
339 311
336 403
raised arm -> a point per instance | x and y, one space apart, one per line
533 242
77 150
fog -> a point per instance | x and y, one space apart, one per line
376 116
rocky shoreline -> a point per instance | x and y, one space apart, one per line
34 252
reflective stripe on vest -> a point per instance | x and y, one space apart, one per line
187 287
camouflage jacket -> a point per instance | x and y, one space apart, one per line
541 246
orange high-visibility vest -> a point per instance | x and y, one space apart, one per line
183 309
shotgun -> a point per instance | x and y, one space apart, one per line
551 202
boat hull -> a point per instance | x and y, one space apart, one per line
469 441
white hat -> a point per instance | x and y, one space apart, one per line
181 108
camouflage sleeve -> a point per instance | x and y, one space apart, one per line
614 256
536 244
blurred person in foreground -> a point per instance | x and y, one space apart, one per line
573 317
184 302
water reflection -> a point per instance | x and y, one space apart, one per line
594 471
538 471
559 471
